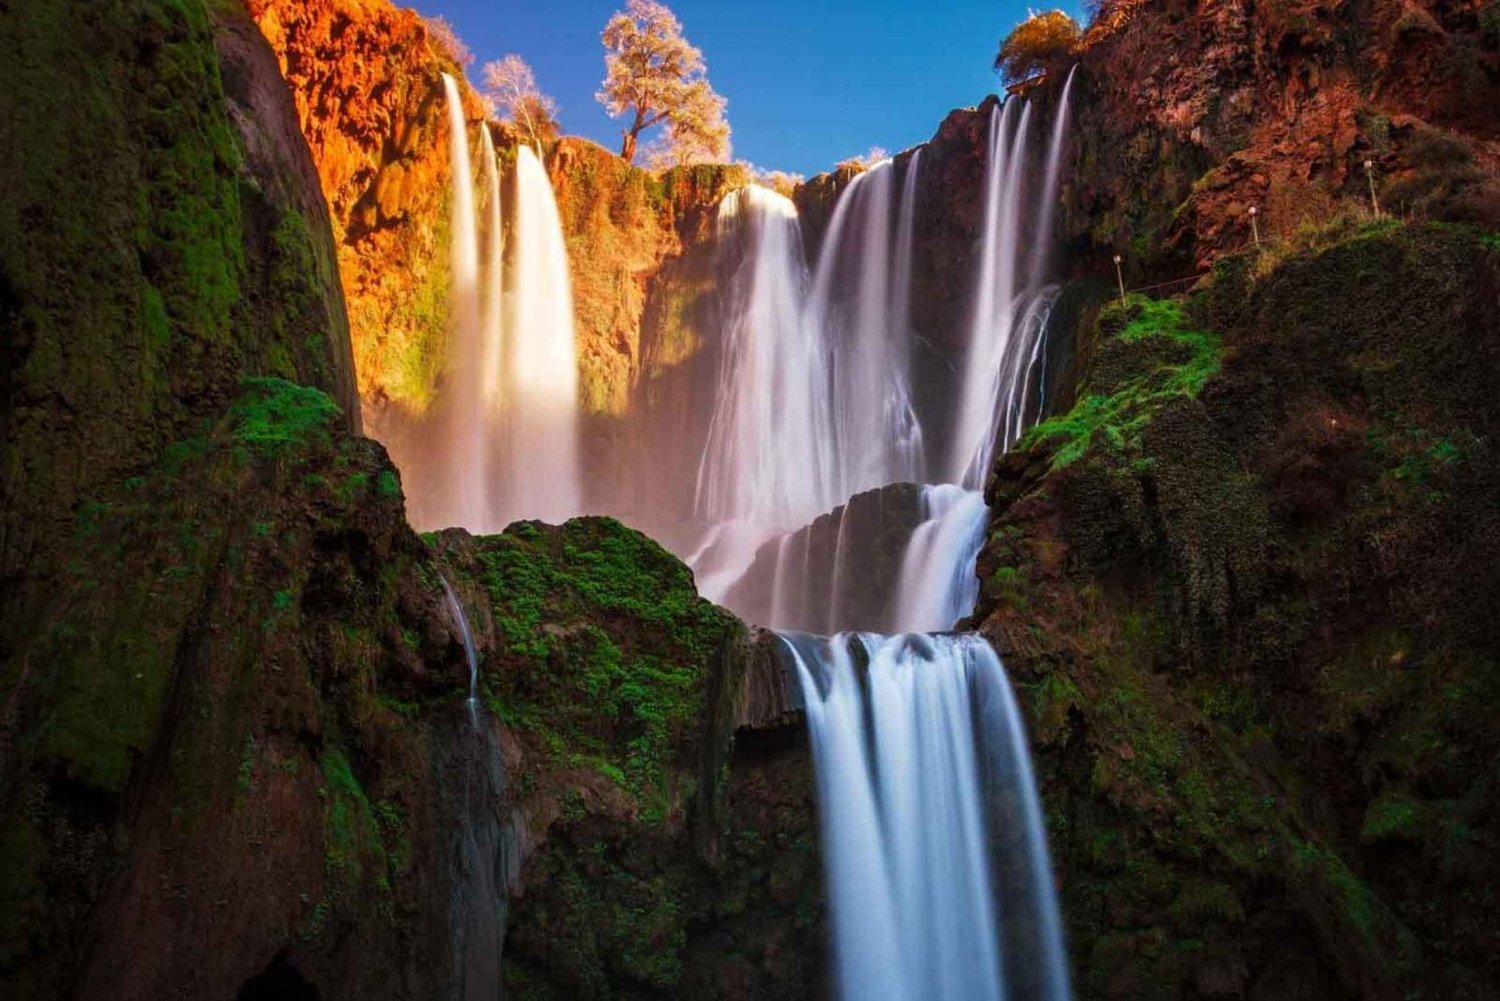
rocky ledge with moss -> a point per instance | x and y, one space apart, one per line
244 733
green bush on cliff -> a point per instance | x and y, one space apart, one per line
273 416
1129 389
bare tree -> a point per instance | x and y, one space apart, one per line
510 86
654 76
443 35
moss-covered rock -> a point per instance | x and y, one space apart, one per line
1246 585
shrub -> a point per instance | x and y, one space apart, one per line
1035 44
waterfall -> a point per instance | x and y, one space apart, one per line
542 366
462 621
916 742
1011 305
461 498
491 371
507 407
935 852
765 461
813 401
937 585
858 304
1043 238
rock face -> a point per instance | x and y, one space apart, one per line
157 243
235 753
845 566
1277 107
366 76
367 81
1247 585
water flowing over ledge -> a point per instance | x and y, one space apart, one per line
923 766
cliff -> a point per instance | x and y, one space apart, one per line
367 81
1276 106
1247 585
236 757
155 248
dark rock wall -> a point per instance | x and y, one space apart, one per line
1247 586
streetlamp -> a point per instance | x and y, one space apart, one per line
1370 176
1254 227
1120 277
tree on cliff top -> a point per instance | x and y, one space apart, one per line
1037 43
657 77
511 86
440 30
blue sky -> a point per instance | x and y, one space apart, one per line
808 83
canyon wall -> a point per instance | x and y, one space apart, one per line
1246 586
236 757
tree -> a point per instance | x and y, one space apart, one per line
511 86
446 39
1038 42
654 76
861 162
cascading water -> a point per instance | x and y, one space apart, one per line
813 401
1011 305
462 621
939 880
462 498
507 409
859 304
492 316
541 362
945 545
766 460
915 738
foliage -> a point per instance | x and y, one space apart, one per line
274 415
1119 411
443 36
617 643
864 161
780 181
653 75
1036 43
510 85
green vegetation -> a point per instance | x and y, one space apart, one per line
364 846
274 416
1152 359
617 647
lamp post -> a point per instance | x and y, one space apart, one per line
1254 227
1370 176
1120 277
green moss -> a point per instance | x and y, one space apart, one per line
616 643
1393 817
352 834
273 416
1116 419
